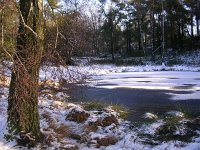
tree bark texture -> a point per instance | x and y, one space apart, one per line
23 116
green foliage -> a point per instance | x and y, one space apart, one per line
53 3
142 23
123 111
8 29
94 105
8 137
173 128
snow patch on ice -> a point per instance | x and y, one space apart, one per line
195 95
175 114
149 116
151 128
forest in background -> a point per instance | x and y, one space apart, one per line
106 28
37 34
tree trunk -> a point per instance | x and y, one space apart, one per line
112 38
23 116
139 35
128 39
197 25
2 27
152 33
192 26
192 31
180 35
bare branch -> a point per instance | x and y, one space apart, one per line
36 35
7 52
62 36
25 25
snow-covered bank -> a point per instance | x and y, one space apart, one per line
62 131
91 132
105 69
63 134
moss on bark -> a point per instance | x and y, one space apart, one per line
23 116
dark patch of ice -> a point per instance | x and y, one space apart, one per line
173 78
184 86
144 81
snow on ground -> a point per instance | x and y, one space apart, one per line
105 69
4 145
91 70
53 115
53 112
175 113
150 116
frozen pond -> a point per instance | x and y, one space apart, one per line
141 92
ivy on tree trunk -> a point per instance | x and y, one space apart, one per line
23 116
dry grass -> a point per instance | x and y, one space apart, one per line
63 131
4 81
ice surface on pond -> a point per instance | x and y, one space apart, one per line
140 77
195 95
157 80
182 78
